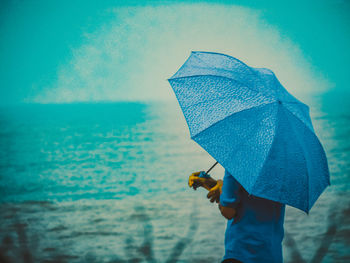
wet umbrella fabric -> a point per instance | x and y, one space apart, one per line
246 120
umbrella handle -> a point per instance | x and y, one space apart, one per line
204 175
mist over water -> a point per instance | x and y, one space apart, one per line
109 52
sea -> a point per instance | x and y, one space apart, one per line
107 182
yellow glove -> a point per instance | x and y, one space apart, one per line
195 181
214 187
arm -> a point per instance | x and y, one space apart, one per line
225 192
229 197
227 212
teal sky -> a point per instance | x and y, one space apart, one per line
66 51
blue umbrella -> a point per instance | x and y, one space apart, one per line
246 120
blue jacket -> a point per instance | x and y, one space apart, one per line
256 233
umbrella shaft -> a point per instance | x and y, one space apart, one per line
211 167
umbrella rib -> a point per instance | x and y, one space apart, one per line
261 105
236 59
225 70
302 148
276 129
299 119
203 101
181 67
216 76
273 141
210 66
296 102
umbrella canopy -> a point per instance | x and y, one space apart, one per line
246 120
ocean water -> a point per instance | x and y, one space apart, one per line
108 183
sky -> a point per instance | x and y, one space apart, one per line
93 51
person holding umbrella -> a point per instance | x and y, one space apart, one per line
263 137
254 230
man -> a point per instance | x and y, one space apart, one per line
254 231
